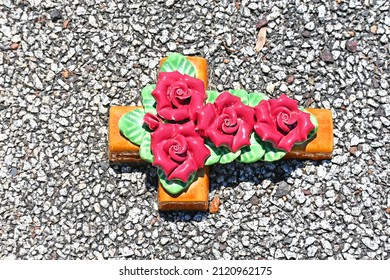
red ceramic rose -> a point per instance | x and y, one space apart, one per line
178 150
280 122
178 96
152 121
227 122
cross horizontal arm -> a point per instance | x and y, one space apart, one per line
122 150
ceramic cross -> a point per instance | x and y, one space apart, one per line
183 128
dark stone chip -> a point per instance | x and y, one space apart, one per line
306 34
327 56
351 46
254 200
282 190
262 22
55 15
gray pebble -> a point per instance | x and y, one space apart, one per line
80 11
164 240
104 203
371 244
169 3
299 196
312 251
310 26
321 11
309 241
77 197
281 75
266 69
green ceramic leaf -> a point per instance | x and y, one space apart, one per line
228 156
174 186
148 100
271 153
131 125
255 98
220 155
242 94
314 121
254 152
214 153
180 63
211 95
144 150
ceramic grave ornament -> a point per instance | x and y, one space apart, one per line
183 128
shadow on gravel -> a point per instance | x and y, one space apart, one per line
236 173
151 184
228 176
146 168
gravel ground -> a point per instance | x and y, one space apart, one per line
63 63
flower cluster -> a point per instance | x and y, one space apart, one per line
183 121
177 148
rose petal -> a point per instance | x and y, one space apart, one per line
244 112
262 112
288 141
205 117
176 156
293 117
183 171
187 129
220 120
152 121
304 125
158 139
219 138
177 99
163 133
196 85
231 112
280 123
168 144
169 113
197 101
182 141
241 138
172 76
196 146
267 132
229 129
283 101
162 160
225 99
161 98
